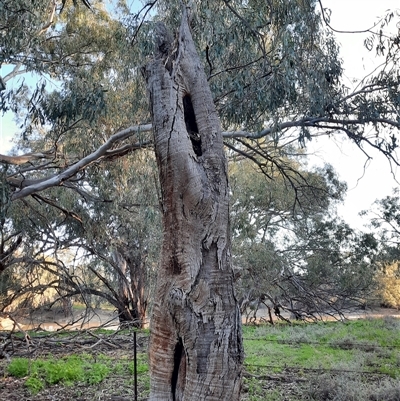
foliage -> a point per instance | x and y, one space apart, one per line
19 367
385 218
272 66
297 255
258 57
110 209
389 285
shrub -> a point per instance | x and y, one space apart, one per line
352 388
18 367
389 285
34 384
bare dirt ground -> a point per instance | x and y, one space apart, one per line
261 316
56 319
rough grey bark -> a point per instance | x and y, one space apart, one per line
196 345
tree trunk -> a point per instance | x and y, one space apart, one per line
196 348
131 292
139 281
123 293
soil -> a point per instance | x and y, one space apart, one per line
262 315
116 346
56 319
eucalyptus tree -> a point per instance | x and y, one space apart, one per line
268 224
299 257
121 230
82 51
114 230
271 70
384 217
337 273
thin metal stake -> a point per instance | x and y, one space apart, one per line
135 364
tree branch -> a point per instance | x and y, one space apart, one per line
58 179
22 159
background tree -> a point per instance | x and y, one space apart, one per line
388 291
298 257
385 218
83 59
115 234
259 56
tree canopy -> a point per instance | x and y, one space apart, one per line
273 68
74 83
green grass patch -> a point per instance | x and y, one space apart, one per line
85 368
369 346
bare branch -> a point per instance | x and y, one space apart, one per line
58 179
306 122
50 22
16 71
22 159
341 31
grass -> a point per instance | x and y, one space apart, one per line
338 361
341 361
371 346
68 370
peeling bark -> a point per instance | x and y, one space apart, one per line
195 346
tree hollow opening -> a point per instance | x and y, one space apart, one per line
179 371
191 124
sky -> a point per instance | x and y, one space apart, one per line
365 183
376 180
8 128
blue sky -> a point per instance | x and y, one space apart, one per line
7 126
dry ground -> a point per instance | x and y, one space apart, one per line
119 387
116 387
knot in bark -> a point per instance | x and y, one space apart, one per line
177 297
163 39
